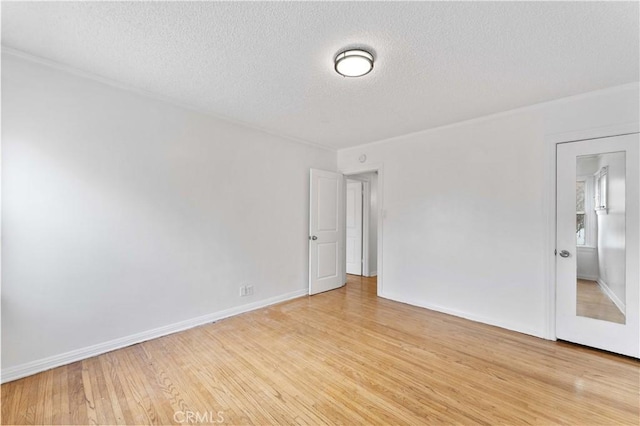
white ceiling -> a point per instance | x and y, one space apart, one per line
270 64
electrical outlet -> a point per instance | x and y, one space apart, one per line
246 290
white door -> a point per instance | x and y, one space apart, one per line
354 227
325 235
597 231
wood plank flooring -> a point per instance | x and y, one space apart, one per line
592 302
341 357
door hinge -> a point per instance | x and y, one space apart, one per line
555 252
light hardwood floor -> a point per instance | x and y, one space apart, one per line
592 302
341 357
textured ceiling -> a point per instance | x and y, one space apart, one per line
270 64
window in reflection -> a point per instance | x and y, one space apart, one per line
580 212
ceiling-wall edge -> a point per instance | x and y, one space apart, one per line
483 118
152 95
394 139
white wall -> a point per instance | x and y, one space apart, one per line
465 212
587 263
586 166
611 227
123 214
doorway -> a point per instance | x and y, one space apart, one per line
372 178
361 223
327 229
354 223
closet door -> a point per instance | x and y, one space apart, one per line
597 231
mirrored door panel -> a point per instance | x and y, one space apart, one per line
600 236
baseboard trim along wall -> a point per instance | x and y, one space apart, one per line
614 298
37 366
587 277
465 315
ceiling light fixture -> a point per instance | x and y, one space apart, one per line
354 63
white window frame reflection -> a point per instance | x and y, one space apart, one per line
590 220
601 190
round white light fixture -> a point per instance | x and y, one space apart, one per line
354 63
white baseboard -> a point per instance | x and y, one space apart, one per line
588 277
37 366
466 315
614 298
373 273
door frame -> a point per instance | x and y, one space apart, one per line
551 163
367 168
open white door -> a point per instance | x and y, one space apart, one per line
597 264
325 231
354 227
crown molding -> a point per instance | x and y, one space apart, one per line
155 96
481 119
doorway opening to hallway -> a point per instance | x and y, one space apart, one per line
361 223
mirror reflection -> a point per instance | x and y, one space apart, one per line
600 236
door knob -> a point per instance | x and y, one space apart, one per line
313 238
564 253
